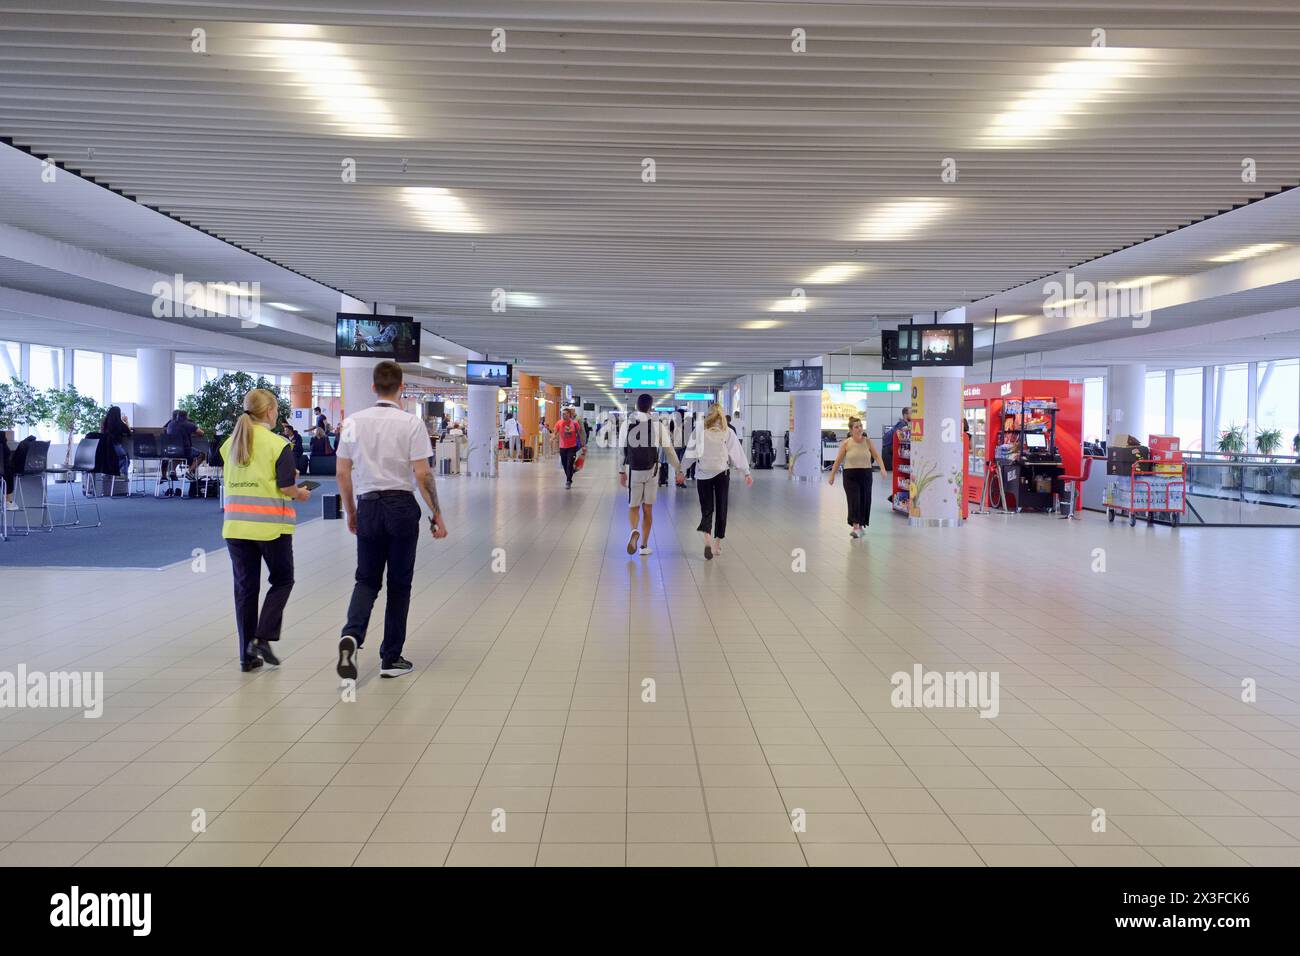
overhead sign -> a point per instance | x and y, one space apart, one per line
695 396
871 386
647 375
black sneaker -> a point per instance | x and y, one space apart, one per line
264 651
347 667
251 664
399 667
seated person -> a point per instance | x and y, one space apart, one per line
180 430
111 457
320 445
291 433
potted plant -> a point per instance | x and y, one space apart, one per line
1232 442
217 405
1267 442
21 406
71 413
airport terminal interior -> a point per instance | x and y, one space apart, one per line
1030 272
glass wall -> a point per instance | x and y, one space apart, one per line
1188 407
1278 404
1230 400
88 374
1094 410
184 381
1155 403
11 361
124 380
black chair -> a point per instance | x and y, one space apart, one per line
174 454
83 466
142 448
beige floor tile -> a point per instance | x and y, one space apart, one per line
402 854
313 854
223 854
759 854
242 826
670 854
493 854
935 854
582 854
916 828
668 828
131 854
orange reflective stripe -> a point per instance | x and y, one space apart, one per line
261 510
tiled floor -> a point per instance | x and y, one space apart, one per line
1120 690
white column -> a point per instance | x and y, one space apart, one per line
482 409
1126 401
356 375
936 484
155 371
806 438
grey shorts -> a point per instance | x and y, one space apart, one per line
642 486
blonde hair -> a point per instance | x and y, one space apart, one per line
716 418
258 403
854 420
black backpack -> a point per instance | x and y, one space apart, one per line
642 452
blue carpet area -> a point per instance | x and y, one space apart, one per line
137 532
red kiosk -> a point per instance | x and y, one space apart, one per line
1031 431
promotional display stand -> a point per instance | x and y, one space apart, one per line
902 439
1028 429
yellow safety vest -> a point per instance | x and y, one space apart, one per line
255 510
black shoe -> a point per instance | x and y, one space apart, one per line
251 664
398 667
568 484
263 650
347 667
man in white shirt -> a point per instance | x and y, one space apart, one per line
381 450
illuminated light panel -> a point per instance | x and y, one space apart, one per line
441 210
900 219
1067 89
285 306
340 89
1249 252
834 273
1142 280
524 300
790 304
759 325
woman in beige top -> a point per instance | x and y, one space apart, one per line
856 454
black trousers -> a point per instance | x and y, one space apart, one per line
713 504
246 558
388 532
567 455
857 488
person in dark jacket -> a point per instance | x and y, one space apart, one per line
110 456
291 433
320 444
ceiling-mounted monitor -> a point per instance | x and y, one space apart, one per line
651 376
807 378
363 335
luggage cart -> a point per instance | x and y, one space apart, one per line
1141 497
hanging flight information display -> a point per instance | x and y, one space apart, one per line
648 375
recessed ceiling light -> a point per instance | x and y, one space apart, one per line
1140 281
285 306
340 89
709 364
1065 91
228 289
833 273
440 209
439 357
795 303
565 348
1249 252
524 300
900 219
758 325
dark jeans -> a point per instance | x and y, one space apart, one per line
713 504
567 455
246 559
857 488
388 532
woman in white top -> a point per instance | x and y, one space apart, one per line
715 449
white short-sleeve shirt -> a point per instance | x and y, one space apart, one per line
382 442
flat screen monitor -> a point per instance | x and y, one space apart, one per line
933 345
500 374
890 358
434 409
362 335
1035 441
805 379
588 406
651 376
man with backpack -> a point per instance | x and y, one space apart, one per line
641 438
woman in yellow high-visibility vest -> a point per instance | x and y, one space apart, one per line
260 489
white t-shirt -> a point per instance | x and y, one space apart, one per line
382 442
512 428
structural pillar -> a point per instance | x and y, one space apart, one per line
482 409
806 431
938 452
1126 401
554 399
155 371
300 385
528 385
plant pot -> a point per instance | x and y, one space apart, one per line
1295 486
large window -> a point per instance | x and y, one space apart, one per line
184 381
88 374
1278 405
1231 402
1155 403
1187 407
11 361
1094 410
124 380
46 367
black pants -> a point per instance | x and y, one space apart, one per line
857 488
388 532
246 559
567 455
713 504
